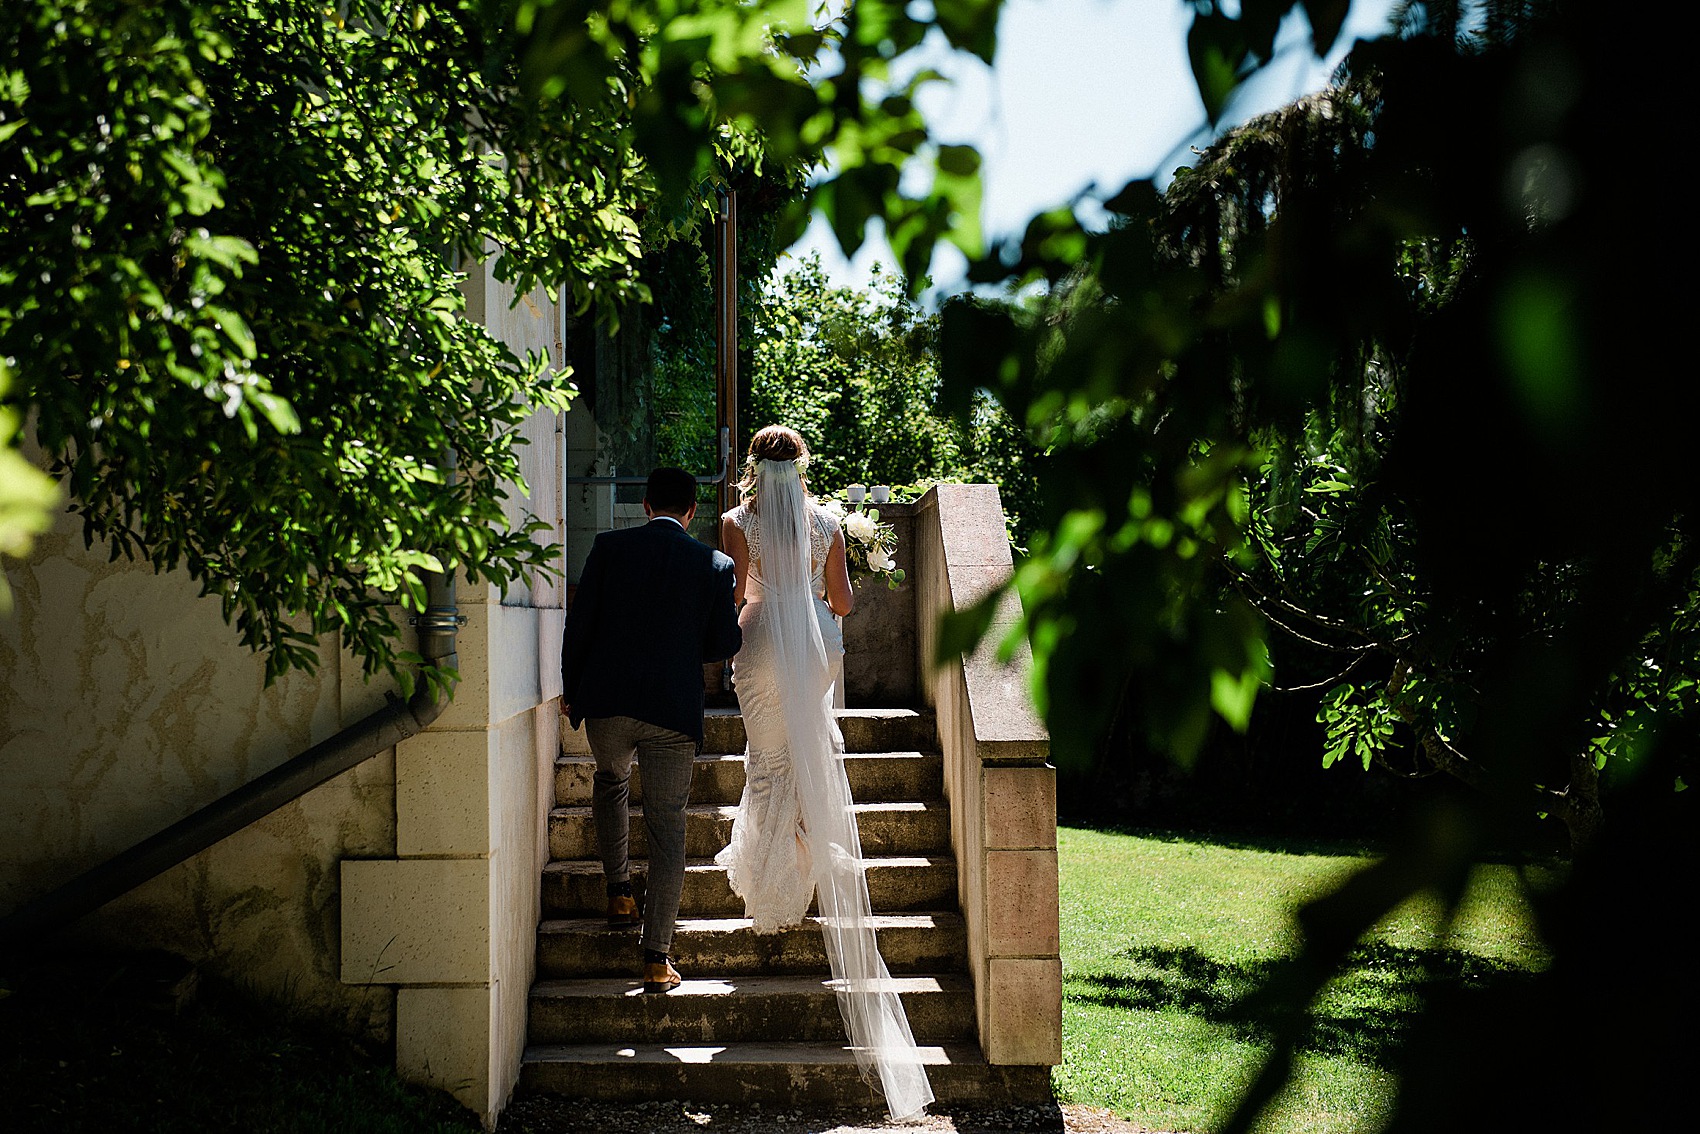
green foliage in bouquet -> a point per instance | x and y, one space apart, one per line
869 542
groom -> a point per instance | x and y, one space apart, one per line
652 606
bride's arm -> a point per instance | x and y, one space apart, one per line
732 542
838 595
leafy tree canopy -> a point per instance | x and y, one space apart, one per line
230 236
855 370
1355 381
227 290
1385 377
26 493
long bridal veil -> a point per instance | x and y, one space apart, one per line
873 1016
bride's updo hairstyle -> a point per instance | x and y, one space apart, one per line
773 443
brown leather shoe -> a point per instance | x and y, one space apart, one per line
660 977
623 910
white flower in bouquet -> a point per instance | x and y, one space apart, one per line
870 543
862 527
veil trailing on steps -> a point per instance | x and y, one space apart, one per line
874 1019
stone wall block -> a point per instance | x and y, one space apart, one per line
1022 903
442 797
516 665
1021 808
415 921
1024 994
443 1039
470 708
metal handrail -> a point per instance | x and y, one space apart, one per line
382 730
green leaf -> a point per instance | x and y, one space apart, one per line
1326 17
970 25
1233 695
235 329
960 631
277 411
1217 48
229 251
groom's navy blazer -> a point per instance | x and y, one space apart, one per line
652 606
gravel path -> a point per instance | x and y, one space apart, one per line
551 1114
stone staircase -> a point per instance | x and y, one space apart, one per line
754 1020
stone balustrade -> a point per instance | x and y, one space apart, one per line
1001 788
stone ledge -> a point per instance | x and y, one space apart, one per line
1000 704
973 533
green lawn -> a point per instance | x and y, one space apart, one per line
1162 937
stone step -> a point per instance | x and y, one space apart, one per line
901 828
895 883
724 947
865 730
735 1010
719 777
756 1019
788 1074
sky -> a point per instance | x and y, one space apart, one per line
1083 94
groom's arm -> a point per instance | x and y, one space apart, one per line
581 625
723 637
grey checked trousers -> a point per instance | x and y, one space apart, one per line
666 759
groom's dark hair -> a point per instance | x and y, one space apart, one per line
673 491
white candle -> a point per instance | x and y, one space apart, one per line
857 493
882 494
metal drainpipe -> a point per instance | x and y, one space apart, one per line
359 742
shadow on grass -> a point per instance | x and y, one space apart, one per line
1367 1013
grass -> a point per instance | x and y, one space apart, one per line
86 1047
1163 938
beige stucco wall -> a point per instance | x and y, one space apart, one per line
127 703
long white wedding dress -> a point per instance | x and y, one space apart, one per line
794 835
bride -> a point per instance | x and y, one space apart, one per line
794 834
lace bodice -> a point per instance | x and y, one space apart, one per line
823 525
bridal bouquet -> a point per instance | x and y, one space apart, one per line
870 544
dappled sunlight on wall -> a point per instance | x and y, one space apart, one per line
129 704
